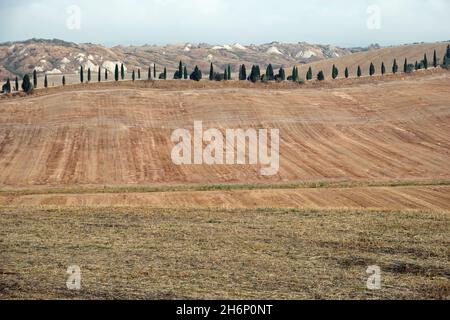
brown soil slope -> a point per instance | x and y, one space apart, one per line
108 136
387 55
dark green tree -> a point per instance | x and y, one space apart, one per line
133 76
89 74
63 80
225 75
211 72
81 74
99 74
17 83
371 69
320 76
416 66
394 67
185 73
359 72
255 74
281 75
6 88
116 73
405 66
106 74
334 72
309 74
346 73
154 70
425 61
122 71
435 60
165 73
383 68
139 74
243 73
27 86
45 82
229 72
149 73
196 75
35 78
180 69
269 73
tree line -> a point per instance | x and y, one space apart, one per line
254 75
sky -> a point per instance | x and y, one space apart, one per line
345 23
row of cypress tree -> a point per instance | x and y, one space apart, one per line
254 76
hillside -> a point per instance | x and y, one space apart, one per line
57 56
113 135
413 53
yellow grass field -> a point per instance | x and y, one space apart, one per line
86 179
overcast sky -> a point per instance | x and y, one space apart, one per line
338 22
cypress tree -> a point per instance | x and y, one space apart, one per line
320 76
185 73
281 74
225 75
116 73
334 72
17 84
154 70
81 74
122 71
26 84
253 76
99 74
35 78
133 76
165 73
6 88
394 67
383 68
294 74
149 73
448 51
425 62
89 74
211 72
359 72
244 72
309 74
63 81
196 75
229 72
45 82
269 73
139 73
371 69
106 74
405 66
180 71
435 62
416 66
346 73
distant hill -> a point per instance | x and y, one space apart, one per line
413 52
57 56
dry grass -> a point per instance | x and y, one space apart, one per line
272 253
